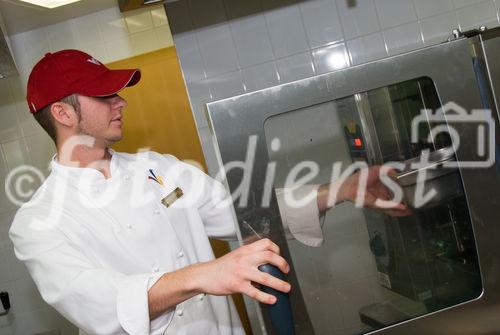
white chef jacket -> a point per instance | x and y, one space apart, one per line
95 246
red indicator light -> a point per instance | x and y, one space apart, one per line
358 142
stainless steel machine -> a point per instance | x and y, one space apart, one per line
436 271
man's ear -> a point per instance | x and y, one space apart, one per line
64 114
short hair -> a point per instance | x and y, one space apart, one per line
46 120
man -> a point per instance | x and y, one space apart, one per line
100 245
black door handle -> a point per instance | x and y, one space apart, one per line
4 297
281 312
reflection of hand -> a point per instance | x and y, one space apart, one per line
236 271
347 190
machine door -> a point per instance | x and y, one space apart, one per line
431 272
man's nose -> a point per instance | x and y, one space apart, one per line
118 102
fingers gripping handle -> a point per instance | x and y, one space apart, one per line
281 312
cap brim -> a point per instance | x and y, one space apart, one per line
111 82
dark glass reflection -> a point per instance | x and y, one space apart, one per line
374 270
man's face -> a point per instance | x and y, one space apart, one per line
101 118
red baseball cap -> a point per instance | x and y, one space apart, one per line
66 72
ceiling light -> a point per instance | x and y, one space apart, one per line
336 60
49 3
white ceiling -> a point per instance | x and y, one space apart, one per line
19 16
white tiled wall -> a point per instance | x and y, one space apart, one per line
109 36
218 51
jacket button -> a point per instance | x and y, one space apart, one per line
180 254
201 297
156 269
180 312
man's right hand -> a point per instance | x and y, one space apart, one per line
236 271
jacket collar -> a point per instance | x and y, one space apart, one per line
86 174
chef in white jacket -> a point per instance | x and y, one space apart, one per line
99 243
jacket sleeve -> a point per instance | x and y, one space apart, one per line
300 214
97 300
300 217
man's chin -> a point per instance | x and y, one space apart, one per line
112 140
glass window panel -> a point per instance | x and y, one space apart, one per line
374 270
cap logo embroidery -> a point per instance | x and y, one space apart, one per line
158 179
93 61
